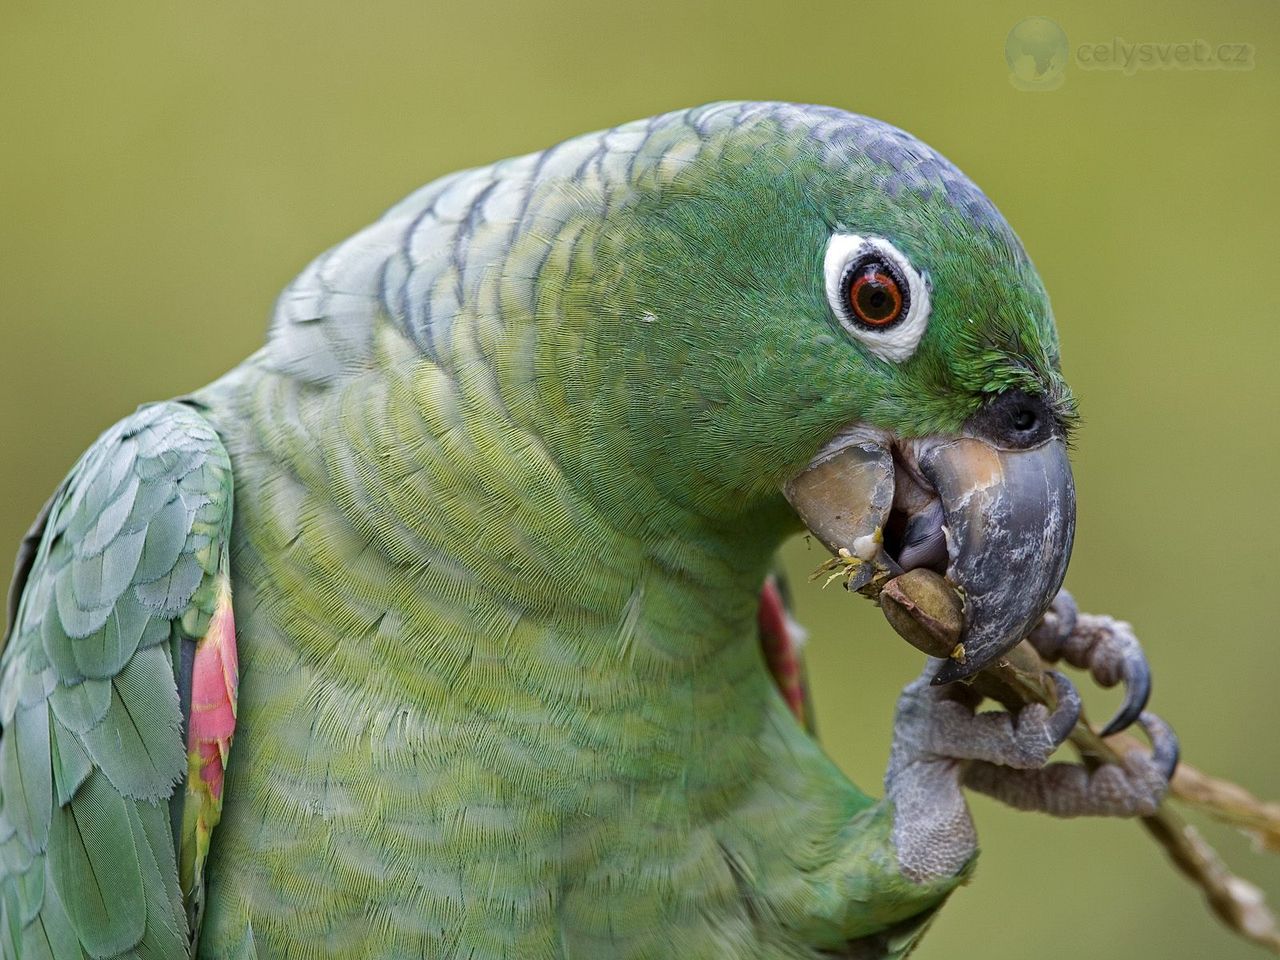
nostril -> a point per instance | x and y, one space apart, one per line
1015 419
1025 419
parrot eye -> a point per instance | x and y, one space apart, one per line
876 294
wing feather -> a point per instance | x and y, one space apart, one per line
121 571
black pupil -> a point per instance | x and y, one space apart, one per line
874 300
1024 419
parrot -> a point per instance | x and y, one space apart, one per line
447 623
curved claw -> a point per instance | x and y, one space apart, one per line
1137 691
1107 648
1165 751
1067 714
1057 624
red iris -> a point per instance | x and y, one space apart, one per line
875 296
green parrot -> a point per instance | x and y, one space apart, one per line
473 559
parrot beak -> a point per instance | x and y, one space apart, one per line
993 508
1010 519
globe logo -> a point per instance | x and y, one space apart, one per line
1036 51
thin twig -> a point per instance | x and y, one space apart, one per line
1229 803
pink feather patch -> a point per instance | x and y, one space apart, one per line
215 680
780 650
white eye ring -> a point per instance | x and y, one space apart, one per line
894 342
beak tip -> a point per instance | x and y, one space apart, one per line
954 670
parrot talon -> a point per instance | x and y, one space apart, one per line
1165 750
1133 787
948 727
1063 719
940 743
1106 647
1137 691
1058 623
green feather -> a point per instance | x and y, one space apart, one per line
169 594
31 891
81 706
26 777
56 927
163 939
110 521
98 580
10 922
105 652
94 868
78 621
151 498
57 646
71 763
137 744
166 537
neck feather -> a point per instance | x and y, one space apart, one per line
417 530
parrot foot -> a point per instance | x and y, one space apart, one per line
1104 646
944 724
941 744
1132 788
936 732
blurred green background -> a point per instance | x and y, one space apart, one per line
167 168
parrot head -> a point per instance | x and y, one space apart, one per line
810 307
